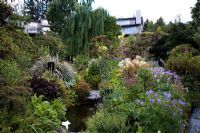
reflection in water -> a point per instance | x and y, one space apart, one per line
78 115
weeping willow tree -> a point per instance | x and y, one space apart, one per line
82 26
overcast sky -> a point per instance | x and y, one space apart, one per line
151 9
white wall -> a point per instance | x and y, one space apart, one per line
125 22
131 30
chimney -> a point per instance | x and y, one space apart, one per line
138 17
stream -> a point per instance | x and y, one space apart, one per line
78 114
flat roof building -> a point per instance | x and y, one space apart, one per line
131 25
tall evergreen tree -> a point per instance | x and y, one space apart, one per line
159 24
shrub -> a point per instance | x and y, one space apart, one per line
42 51
66 70
101 44
82 89
155 112
149 106
54 44
14 106
81 62
24 60
62 69
137 63
13 99
132 40
129 68
93 76
46 116
183 48
43 87
7 47
104 122
10 71
146 44
188 67
6 11
102 50
67 94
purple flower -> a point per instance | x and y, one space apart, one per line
152 101
181 102
180 110
198 125
156 95
167 95
158 100
174 102
149 92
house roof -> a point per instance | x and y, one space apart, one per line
130 25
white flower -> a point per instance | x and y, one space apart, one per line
66 124
159 132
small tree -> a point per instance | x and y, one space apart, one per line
5 12
58 12
195 14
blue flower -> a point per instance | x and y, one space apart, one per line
167 95
152 101
149 92
156 95
198 126
158 100
181 102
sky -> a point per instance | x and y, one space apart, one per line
151 9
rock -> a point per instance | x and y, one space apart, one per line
94 95
194 123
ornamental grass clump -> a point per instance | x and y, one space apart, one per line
62 69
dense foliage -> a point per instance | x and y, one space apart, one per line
58 12
38 85
156 96
5 12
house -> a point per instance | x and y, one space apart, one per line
131 25
34 28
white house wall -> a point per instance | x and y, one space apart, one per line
125 22
131 30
